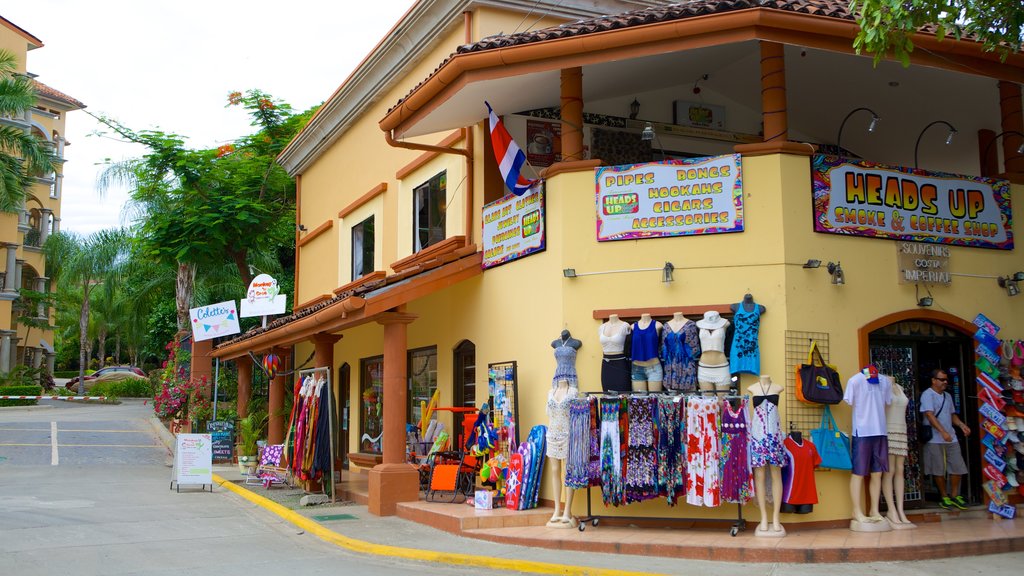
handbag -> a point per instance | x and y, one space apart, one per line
832 443
925 431
816 381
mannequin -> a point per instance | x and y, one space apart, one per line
893 480
564 387
616 371
869 398
713 366
680 347
745 354
647 373
767 453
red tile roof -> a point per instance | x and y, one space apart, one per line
54 94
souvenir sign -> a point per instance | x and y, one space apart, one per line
992 414
992 458
995 493
513 227
686 197
987 325
860 198
1007 511
987 354
263 298
986 339
214 321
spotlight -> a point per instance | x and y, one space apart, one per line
949 137
569 272
812 263
1010 284
838 277
925 301
666 273
1018 276
648 134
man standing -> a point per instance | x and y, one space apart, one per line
942 452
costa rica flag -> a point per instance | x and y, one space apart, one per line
509 155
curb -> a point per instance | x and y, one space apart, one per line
27 408
452 558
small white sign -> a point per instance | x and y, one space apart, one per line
263 298
193 460
214 321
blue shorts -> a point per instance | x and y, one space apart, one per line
870 454
650 373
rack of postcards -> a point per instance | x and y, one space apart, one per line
638 446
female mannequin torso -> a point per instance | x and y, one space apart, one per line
612 335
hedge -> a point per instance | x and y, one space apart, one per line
20 391
69 373
127 388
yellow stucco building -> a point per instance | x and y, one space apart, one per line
24 233
391 289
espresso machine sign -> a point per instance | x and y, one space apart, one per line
923 263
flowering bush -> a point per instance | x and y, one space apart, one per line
181 396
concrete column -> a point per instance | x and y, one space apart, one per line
56 225
41 311
1012 117
394 480
572 114
244 364
51 360
14 349
37 361
278 388
18 266
9 275
44 225
202 364
773 92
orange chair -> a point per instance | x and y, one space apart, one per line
450 477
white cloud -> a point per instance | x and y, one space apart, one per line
171 65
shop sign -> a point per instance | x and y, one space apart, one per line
543 142
923 263
263 298
214 321
682 197
513 227
698 114
193 459
860 198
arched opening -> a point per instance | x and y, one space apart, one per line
464 391
908 345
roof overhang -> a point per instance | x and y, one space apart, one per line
32 41
525 76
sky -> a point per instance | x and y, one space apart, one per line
171 65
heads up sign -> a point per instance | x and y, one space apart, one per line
214 321
866 199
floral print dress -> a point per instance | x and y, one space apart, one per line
679 353
737 478
641 454
766 448
703 452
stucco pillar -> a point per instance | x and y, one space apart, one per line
572 114
1012 118
19 265
278 388
51 360
41 311
37 362
44 225
394 480
9 272
14 349
244 364
202 364
774 113
5 351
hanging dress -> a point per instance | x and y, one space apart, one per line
679 352
565 365
766 447
595 441
641 468
611 454
745 354
703 486
737 479
577 465
671 456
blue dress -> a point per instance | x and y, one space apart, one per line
679 353
745 354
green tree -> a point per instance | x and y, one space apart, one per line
22 155
886 26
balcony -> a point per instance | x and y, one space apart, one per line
15 121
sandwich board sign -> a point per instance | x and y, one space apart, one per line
213 321
193 461
263 298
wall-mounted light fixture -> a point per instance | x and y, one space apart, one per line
648 134
871 126
300 227
1010 284
634 109
836 271
923 301
949 136
988 147
666 272
812 263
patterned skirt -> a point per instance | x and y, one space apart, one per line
577 465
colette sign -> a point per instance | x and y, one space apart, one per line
214 321
263 298
866 199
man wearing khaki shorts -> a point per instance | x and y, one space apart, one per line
942 453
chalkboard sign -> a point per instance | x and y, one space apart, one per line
223 435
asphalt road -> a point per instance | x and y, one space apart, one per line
94 499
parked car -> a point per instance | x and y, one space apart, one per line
108 372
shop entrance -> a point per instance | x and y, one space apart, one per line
909 350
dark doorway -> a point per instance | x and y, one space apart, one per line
344 408
909 351
464 378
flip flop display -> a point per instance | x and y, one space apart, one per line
1001 463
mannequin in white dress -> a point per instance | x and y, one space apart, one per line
893 480
558 421
713 365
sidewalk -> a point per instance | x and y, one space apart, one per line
458 534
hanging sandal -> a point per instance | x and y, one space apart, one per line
1018 354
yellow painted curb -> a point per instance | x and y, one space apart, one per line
453 558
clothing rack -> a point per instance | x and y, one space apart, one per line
595 519
326 370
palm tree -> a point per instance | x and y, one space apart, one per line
21 154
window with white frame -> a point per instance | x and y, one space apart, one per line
362 248
428 212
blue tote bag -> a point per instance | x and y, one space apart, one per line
832 444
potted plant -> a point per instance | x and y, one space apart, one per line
250 429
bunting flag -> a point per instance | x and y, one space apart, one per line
509 156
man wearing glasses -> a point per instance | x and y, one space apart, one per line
942 453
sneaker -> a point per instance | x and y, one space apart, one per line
959 502
946 503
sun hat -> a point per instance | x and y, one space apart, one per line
712 320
